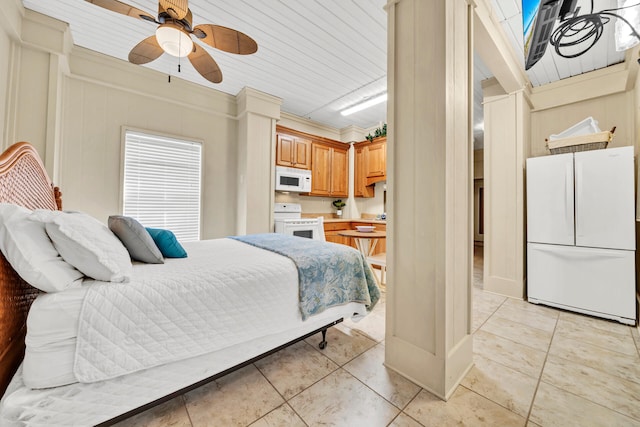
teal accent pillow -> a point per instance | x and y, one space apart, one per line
167 242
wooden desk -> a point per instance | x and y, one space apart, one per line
365 241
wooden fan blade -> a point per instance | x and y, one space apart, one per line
177 9
145 51
226 39
205 64
123 8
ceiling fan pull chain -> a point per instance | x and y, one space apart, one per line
179 49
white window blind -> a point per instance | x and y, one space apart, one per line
162 183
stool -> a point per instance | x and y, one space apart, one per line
381 261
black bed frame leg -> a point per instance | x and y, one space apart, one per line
323 343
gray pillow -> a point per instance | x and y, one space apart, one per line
136 239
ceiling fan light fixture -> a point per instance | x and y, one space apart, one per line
173 40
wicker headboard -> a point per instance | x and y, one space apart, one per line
23 181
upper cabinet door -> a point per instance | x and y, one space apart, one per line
605 208
302 149
377 157
321 171
339 172
550 208
285 153
293 151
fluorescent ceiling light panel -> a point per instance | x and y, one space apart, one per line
366 104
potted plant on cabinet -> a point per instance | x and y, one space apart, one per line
338 204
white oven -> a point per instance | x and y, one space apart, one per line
288 221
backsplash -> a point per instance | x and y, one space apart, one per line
354 208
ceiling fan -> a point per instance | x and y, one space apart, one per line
173 36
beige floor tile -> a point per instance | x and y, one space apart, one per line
595 322
586 332
170 414
237 399
486 301
372 326
344 343
478 262
514 331
614 363
282 416
464 408
341 400
484 304
501 384
514 311
479 317
636 338
295 368
528 307
555 407
600 387
369 368
404 420
516 356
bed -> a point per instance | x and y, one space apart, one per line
92 361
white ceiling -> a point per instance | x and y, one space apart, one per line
318 56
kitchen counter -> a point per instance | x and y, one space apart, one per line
361 220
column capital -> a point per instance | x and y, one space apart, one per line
253 101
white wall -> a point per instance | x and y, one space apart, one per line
72 106
5 54
102 95
611 110
11 14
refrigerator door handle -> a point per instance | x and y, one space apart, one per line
568 193
578 197
569 252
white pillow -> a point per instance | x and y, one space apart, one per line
88 245
27 247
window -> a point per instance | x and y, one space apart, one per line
162 183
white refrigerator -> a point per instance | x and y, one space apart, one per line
581 232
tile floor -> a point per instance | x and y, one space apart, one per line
534 366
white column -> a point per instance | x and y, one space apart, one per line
257 115
507 130
430 163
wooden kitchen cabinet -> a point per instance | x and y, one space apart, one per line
331 230
370 166
377 161
360 187
293 151
329 169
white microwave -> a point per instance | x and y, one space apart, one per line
292 179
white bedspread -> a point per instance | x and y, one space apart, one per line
184 308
